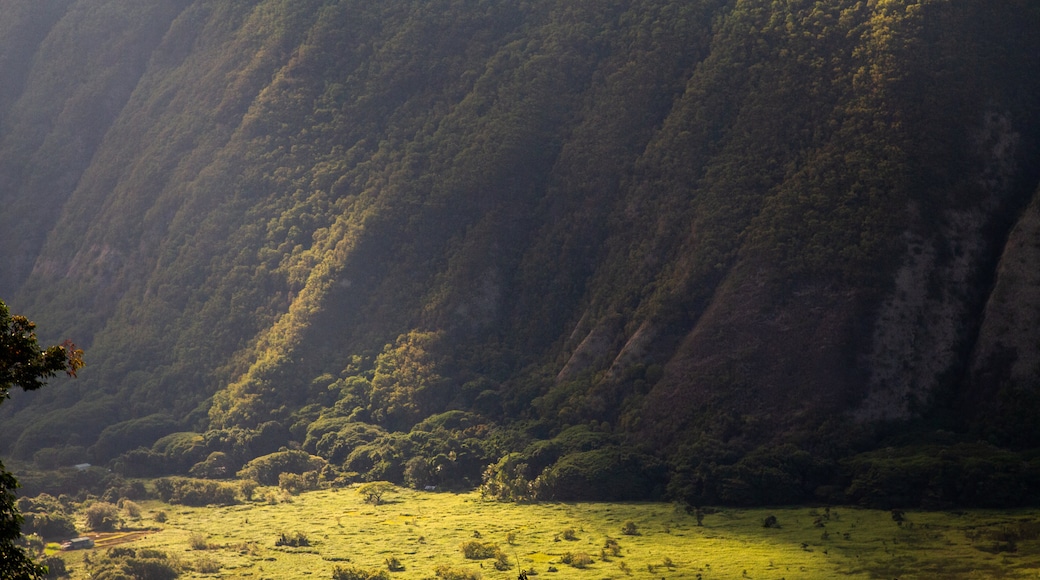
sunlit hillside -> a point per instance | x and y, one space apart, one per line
723 251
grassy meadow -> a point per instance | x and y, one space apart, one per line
424 531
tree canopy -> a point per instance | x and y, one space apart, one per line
23 363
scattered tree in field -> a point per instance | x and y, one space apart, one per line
374 491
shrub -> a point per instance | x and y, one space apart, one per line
630 529
393 564
131 509
355 573
449 573
577 559
770 522
207 565
298 483
247 487
198 541
292 540
475 550
102 517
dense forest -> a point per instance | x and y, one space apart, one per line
717 251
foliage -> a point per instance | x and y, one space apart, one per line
391 231
50 526
475 550
933 543
102 517
47 516
374 491
355 573
579 560
121 563
298 483
450 573
25 364
294 540
941 477
267 469
195 492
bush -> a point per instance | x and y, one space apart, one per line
475 550
577 559
131 509
207 565
103 517
449 573
296 540
198 541
630 529
298 483
355 573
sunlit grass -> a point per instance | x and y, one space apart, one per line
424 531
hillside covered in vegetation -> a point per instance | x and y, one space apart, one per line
735 251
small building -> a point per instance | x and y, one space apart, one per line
78 544
82 466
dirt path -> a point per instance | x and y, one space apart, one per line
109 539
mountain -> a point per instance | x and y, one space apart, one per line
646 240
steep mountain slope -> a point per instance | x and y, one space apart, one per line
668 223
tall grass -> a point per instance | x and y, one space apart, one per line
426 536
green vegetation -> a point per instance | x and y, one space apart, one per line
23 363
721 253
340 535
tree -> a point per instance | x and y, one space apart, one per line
374 490
24 364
